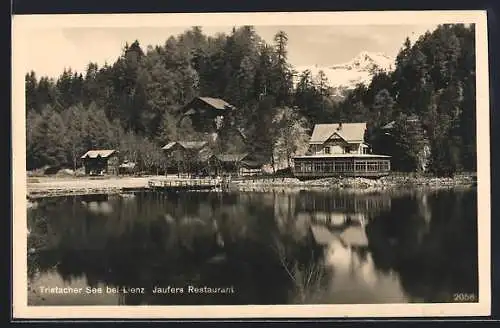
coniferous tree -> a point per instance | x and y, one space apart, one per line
31 90
48 140
283 79
140 95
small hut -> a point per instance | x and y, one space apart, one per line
127 168
187 156
98 162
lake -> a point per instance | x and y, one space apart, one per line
211 248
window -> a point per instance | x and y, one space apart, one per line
327 150
360 166
373 166
339 166
318 167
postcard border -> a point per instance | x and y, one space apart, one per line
22 24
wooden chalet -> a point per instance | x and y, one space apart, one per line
340 150
207 114
98 162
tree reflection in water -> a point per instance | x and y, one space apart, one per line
433 247
370 248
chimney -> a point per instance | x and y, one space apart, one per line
340 126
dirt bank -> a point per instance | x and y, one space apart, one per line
49 186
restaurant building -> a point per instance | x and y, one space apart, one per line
340 150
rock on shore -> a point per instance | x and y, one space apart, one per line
358 183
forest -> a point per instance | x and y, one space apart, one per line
133 105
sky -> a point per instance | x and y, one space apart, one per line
50 50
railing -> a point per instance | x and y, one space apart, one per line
322 167
186 183
360 173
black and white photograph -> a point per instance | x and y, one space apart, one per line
251 165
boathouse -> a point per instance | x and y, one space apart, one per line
340 150
98 162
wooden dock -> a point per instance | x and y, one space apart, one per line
180 184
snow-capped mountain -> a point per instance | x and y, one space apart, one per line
360 69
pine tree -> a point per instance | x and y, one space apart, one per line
141 93
48 140
31 89
408 144
282 75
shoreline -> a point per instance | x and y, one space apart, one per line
41 187
58 186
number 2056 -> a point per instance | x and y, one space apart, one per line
464 297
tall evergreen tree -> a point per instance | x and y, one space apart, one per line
140 95
31 91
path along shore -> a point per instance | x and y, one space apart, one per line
60 186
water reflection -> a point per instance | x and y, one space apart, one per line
272 248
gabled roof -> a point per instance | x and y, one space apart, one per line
169 145
409 119
336 135
186 144
231 157
389 125
127 165
104 153
350 132
216 103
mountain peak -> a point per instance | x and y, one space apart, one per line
367 61
359 69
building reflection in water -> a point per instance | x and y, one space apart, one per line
363 248
97 204
337 224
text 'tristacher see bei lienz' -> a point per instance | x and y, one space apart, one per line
188 289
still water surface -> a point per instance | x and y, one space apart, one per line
252 248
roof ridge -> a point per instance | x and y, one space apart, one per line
350 132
